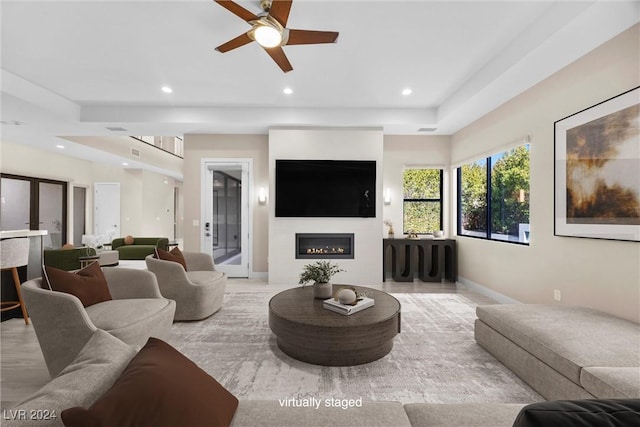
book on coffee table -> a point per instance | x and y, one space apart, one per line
347 309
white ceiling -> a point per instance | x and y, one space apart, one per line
76 67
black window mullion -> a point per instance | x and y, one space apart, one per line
489 208
459 202
441 197
423 200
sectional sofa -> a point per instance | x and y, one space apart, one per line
564 352
104 358
593 356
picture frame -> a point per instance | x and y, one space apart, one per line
597 170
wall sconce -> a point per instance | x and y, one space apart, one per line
262 196
387 196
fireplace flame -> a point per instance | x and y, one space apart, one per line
325 251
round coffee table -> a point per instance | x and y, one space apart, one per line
308 332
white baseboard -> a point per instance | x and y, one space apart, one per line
502 299
259 275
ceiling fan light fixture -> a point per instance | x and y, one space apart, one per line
267 36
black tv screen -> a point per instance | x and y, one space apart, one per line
325 188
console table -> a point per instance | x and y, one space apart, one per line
429 260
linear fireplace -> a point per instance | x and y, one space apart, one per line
324 246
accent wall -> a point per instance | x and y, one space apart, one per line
601 274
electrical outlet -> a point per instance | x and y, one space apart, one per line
557 295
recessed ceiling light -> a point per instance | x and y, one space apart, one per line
287 91
167 89
125 164
406 91
59 146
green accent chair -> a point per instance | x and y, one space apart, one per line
140 248
66 259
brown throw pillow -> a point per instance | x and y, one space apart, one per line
88 284
128 240
174 255
160 387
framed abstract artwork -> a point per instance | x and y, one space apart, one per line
597 170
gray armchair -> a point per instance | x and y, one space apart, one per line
198 292
63 326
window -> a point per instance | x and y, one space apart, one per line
422 194
493 197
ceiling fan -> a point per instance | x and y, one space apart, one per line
269 29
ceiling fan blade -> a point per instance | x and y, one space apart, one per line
237 10
280 11
277 54
311 37
241 40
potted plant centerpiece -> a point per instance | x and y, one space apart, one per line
320 274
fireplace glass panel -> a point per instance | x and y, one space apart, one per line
324 245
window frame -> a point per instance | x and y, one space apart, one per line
425 200
488 195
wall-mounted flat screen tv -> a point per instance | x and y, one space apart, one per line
325 188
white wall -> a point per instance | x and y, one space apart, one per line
140 203
197 147
595 273
327 144
157 204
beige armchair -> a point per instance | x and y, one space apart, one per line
63 326
198 292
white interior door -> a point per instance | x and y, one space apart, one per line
226 226
106 210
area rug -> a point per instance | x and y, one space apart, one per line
434 359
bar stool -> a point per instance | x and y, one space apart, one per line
14 253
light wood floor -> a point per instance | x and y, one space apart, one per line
22 367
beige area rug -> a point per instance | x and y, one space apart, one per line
435 359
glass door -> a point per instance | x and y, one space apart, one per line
15 199
51 211
226 207
226 216
34 204
79 214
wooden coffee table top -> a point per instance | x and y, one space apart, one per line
299 305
